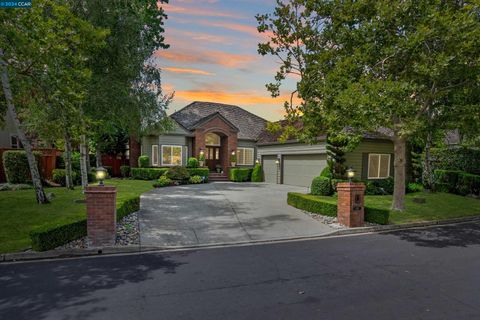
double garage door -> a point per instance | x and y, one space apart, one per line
296 170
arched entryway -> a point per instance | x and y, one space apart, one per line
213 150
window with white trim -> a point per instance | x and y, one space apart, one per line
245 156
155 155
172 155
378 166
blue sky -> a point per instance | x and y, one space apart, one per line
213 55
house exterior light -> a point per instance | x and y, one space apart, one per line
350 174
100 174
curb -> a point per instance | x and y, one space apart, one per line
104 251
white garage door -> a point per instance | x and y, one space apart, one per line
270 168
299 170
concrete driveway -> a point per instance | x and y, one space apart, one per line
221 213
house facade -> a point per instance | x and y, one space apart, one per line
220 130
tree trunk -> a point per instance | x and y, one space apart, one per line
428 174
68 161
134 148
83 161
399 147
27 146
98 155
87 150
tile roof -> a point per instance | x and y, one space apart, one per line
249 126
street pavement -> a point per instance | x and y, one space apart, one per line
431 273
222 212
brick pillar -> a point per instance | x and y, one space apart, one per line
228 148
198 142
101 215
350 211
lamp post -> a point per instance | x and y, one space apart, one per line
350 174
101 174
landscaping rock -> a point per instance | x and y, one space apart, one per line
333 221
128 234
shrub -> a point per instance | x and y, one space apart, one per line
457 159
321 186
195 180
233 158
48 238
318 205
109 171
125 170
178 173
379 187
257 173
147 173
202 172
446 180
468 184
58 176
163 181
15 164
414 187
143 161
192 162
240 174
334 183
326 172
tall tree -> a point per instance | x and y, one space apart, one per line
40 53
378 64
126 88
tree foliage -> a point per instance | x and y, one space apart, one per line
379 64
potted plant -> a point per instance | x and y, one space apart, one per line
218 168
233 159
201 159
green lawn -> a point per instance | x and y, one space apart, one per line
19 212
438 206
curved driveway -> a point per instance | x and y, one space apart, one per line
222 213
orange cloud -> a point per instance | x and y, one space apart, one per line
170 8
237 98
199 36
210 57
186 70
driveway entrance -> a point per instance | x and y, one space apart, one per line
221 213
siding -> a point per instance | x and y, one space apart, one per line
249 144
177 140
354 159
6 131
292 148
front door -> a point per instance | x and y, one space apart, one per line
212 157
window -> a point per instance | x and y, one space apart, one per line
15 143
245 156
155 155
378 166
172 155
212 139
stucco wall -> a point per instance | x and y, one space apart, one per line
177 140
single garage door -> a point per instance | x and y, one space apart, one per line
299 170
270 168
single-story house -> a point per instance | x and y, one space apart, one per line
218 130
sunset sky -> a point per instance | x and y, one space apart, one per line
213 55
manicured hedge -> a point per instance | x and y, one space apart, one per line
143 161
457 159
16 166
240 174
257 173
49 238
58 176
315 204
178 173
458 182
202 172
125 170
147 173
321 186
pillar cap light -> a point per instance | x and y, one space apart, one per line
277 161
100 174
350 174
